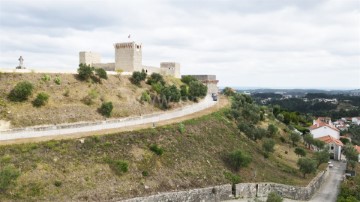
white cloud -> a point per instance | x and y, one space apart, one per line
272 43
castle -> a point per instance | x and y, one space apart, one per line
128 58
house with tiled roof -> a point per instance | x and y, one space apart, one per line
335 146
323 127
357 148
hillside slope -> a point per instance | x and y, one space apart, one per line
66 102
193 156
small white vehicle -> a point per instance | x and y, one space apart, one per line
331 165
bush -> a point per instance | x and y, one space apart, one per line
57 183
57 80
188 79
41 99
170 93
234 179
282 139
106 109
8 175
272 130
238 159
155 78
145 97
137 77
145 173
181 128
21 91
119 166
156 149
89 99
268 145
101 73
46 78
85 72
300 151
184 91
197 89
157 87
274 197
228 91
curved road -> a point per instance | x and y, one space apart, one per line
65 129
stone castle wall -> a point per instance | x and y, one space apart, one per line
170 68
128 56
89 58
105 66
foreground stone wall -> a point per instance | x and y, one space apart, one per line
209 194
252 190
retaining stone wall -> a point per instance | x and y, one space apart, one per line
209 194
252 190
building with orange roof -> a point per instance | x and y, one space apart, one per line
335 146
322 127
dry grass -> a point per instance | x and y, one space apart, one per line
191 159
65 103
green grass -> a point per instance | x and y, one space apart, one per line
116 165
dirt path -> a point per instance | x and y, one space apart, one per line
223 102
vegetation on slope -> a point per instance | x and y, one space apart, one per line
35 99
192 154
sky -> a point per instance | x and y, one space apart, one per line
247 43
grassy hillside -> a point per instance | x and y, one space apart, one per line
93 168
67 103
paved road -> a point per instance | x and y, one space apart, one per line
63 129
328 191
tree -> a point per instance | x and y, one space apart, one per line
228 91
41 99
318 143
268 145
101 73
321 157
85 72
276 110
308 139
351 155
294 138
106 109
238 159
21 91
306 166
184 91
272 130
188 79
171 94
155 78
197 89
300 151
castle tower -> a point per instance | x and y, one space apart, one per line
89 58
128 56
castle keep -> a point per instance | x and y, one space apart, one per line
128 58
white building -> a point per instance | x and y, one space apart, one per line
355 120
334 145
323 127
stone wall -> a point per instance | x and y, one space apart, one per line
170 68
105 66
128 56
252 190
89 58
209 194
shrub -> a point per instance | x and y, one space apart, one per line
184 91
85 72
66 93
228 91
156 149
145 173
188 79
274 197
268 145
119 166
101 73
272 130
145 97
197 89
300 151
106 109
46 78
234 179
21 91
238 159
170 93
57 183
89 99
41 99
157 87
181 128
8 175
282 139
155 78
137 77
57 80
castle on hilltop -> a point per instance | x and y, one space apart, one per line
128 58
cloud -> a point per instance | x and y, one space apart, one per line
245 43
